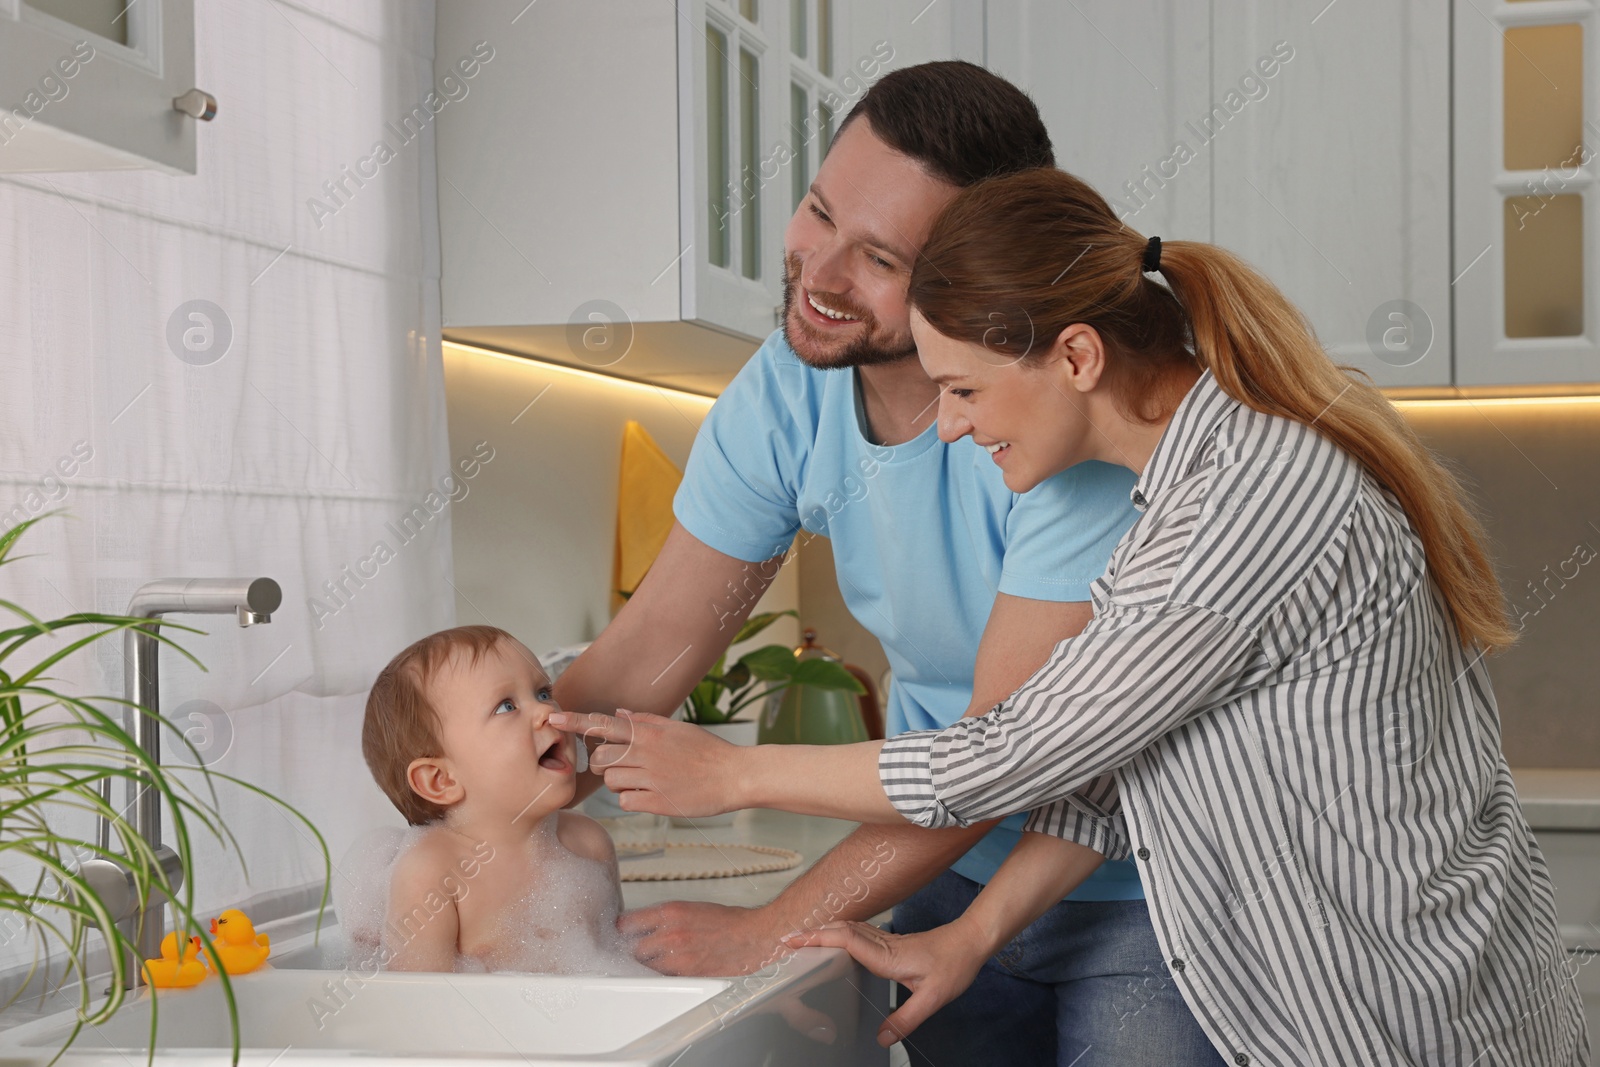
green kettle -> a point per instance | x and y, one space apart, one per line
808 715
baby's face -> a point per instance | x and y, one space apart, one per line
496 733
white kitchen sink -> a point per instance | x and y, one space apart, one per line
816 1008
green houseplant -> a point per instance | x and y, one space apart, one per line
57 752
759 674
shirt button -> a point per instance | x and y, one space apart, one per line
1242 1060
1178 965
1143 853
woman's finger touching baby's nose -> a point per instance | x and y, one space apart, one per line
610 755
599 728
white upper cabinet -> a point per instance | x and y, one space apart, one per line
876 36
1527 238
1314 143
1121 88
1332 175
98 85
614 193
562 232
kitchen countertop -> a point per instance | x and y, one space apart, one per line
806 834
1559 798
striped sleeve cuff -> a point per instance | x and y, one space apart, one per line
1066 819
905 768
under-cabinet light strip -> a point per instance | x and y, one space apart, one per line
536 363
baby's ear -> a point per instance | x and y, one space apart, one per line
431 779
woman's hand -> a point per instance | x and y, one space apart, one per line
674 768
659 765
936 965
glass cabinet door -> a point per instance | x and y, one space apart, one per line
727 114
1526 146
757 114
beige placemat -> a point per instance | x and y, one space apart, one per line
680 861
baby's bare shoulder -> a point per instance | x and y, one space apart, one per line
437 855
430 853
584 836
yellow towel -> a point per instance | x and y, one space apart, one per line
644 507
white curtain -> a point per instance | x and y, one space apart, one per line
293 455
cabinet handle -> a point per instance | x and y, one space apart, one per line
196 103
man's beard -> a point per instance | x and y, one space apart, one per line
869 348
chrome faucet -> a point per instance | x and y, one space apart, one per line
253 600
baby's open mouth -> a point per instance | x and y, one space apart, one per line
551 758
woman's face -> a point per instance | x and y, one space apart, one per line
1031 417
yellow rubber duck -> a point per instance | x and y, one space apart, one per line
175 970
239 948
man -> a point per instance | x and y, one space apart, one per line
829 428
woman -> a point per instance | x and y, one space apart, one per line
1284 673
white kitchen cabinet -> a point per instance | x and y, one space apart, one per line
1527 238
614 192
1117 85
908 32
609 172
575 195
91 85
1333 177
1315 145
558 189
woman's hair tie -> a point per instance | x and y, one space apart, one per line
1152 256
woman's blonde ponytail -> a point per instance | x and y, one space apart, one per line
1262 352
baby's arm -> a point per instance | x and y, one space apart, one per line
582 836
422 925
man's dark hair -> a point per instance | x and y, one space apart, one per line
960 121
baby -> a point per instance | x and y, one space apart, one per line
494 876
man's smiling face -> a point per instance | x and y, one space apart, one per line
849 249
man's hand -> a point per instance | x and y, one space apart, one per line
688 937
659 765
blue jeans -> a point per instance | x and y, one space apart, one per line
1085 985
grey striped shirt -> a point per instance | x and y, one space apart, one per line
1304 759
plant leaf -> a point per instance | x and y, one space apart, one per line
738 676
756 623
712 716
114 624
754 696
771 663
826 674
57 752
9 538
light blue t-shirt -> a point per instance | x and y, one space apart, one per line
924 535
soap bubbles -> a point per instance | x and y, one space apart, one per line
565 922
545 911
